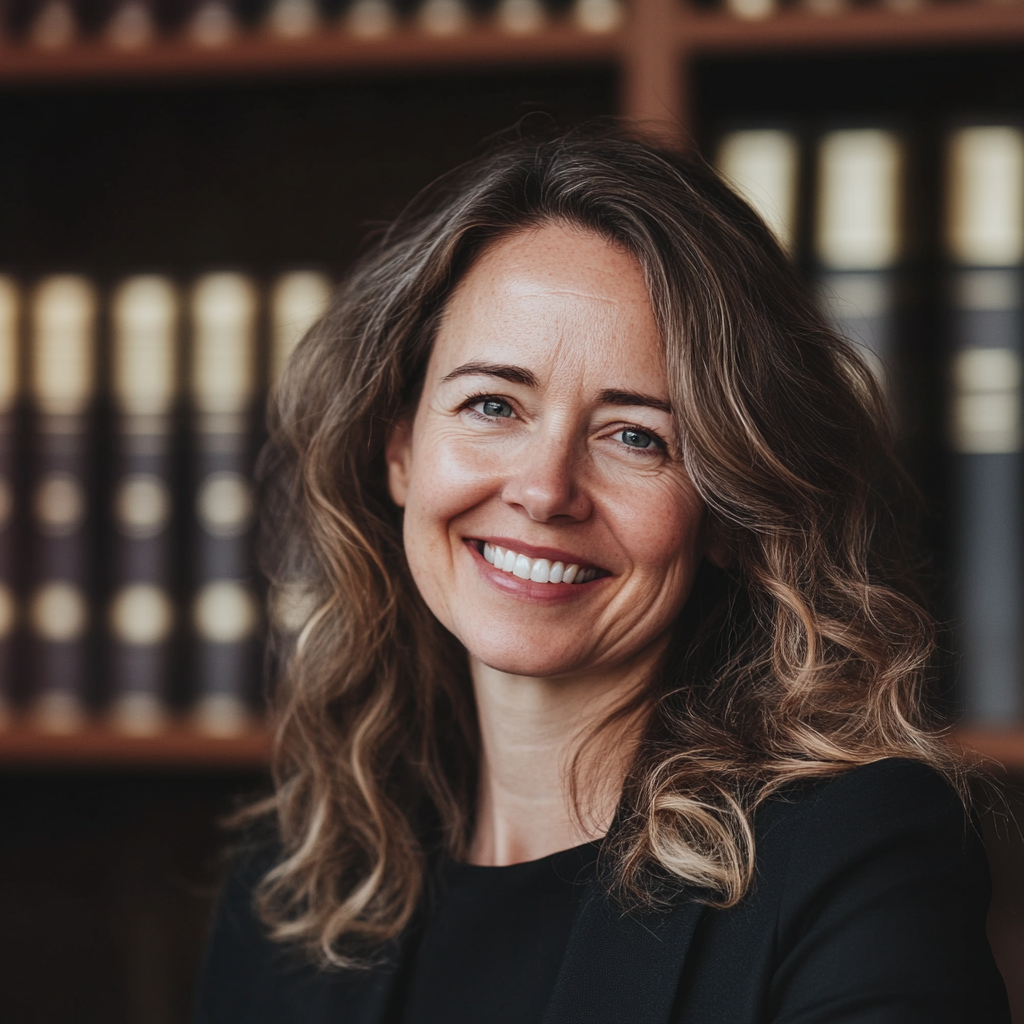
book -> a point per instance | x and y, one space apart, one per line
293 19
297 300
985 240
141 610
53 24
857 235
10 337
225 611
132 24
62 380
762 165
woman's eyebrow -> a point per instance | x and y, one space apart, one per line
513 374
614 397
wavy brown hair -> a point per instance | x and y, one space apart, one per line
807 656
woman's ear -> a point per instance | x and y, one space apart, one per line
398 455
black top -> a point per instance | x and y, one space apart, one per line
493 941
868 907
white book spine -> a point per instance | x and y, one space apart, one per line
141 613
225 612
762 165
62 386
985 241
858 234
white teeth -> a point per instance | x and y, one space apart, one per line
537 570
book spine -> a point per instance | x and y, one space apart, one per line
10 320
141 611
297 301
985 237
62 381
858 228
762 165
225 610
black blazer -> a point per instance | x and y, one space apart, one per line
868 908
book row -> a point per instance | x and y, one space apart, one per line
859 241
126 506
135 24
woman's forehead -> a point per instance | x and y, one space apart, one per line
559 301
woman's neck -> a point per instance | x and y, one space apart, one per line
531 731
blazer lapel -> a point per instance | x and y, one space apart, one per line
622 968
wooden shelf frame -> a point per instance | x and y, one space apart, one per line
181 747
178 747
652 51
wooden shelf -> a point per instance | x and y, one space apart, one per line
181 747
953 24
178 747
950 24
257 54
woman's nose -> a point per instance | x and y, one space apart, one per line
547 482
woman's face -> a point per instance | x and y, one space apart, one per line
543 440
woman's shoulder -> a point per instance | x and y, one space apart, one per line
817 827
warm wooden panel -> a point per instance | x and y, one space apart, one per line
256 54
176 747
943 25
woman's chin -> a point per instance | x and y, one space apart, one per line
536 663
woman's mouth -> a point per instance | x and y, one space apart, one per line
537 570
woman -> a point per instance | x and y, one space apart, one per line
611 708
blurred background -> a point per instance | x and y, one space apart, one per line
182 182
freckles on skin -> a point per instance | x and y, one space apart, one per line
570 313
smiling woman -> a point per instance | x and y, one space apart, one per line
613 617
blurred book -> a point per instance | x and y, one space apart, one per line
297 301
53 24
225 612
62 380
10 338
293 19
131 24
858 227
985 239
141 612
762 165
213 23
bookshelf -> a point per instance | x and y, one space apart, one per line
652 52
178 162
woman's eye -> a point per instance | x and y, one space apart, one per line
635 438
494 407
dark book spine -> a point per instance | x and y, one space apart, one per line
986 240
10 336
62 381
225 609
857 238
141 614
